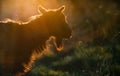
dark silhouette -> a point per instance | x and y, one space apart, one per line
18 40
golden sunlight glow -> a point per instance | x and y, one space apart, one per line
23 9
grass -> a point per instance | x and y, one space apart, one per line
81 60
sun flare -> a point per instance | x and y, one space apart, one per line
23 9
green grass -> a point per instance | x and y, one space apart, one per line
84 60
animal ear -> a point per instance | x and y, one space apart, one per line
62 8
41 9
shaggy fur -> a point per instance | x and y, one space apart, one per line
18 40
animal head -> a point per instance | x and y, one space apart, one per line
56 24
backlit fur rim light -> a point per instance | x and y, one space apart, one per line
6 20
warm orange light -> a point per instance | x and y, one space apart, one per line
23 9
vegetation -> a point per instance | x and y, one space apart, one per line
85 59
97 55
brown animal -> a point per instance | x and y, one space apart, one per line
18 40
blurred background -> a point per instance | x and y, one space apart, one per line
83 16
94 49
